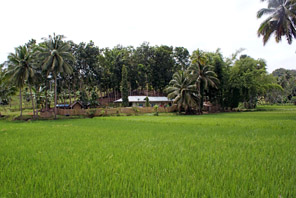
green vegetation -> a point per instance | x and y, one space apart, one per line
67 72
250 154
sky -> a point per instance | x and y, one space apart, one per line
194 24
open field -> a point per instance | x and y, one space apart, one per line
250 154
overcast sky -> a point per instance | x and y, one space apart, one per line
204 24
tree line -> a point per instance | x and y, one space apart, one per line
56 69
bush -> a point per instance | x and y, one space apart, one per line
91 113
293 100
136 110
102 112
156 110
147 104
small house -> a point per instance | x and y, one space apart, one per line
63 106
76 105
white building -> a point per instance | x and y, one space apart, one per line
139 101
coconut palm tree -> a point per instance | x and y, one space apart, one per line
183 91
54 52
202 74
20 68
281 20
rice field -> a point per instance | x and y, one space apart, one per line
249 154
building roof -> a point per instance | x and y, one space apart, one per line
62 105
76 102
142 99
69 106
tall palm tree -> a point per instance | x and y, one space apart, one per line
20 68
202 74
281 20
54 52
183 91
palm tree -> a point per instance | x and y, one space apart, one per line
281 22
20 68
54 52
202 75
183 91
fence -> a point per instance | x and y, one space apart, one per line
108 111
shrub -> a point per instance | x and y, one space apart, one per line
91 113
102 112
147 104
136 110
156 110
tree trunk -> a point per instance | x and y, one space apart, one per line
101 96
46 99
201 97
33 106
55 97
21 109
108 96
36 109
64 98
70 97
36 101
74 93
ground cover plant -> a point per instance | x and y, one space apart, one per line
242 154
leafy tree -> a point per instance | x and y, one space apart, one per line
217 94
161 67
287 80
281 20
182 58
20 68
183 91
124 87
54 52
94 99
7 89
143 58
86 69
83 98
248 77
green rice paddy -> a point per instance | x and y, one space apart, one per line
250 154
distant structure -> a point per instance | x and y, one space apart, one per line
75 105
139 101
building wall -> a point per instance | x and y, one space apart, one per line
76 106
141 104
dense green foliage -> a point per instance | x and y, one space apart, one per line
7 89
223 83
287 80
224 155
66 72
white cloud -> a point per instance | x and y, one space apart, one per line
208 25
